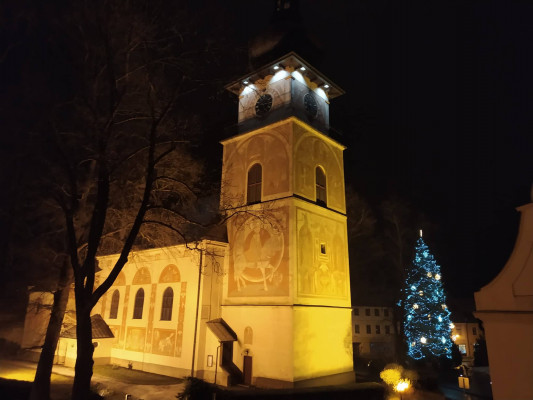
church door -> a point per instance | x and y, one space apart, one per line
247 370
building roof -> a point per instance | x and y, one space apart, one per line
218 233
100 329
222 330
293 61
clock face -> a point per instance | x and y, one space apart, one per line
263 105
310 104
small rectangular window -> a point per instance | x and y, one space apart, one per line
378 329
462 349
367 312
376 312
355 311
368 329
356 327
323 248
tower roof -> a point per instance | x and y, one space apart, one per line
288 61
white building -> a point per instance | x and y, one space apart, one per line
373 332
505 306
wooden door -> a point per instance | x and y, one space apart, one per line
247 370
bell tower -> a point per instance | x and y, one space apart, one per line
286 291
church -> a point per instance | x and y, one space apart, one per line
269 305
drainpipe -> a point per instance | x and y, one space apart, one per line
216 365
197 309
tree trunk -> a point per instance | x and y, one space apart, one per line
41 384
84 362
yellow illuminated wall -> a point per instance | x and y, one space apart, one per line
322 342
286 237
258 258
312 149
150 343
322 257
287 269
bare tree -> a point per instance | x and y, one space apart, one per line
114 161
399 238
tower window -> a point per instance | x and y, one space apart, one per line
321 194
139 304
166 305
254 184
113 312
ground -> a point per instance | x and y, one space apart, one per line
113 383
436 387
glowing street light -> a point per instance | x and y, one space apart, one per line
402 386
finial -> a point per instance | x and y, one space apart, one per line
420 232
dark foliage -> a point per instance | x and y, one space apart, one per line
457 358
8 348
481 357
197 389
14 390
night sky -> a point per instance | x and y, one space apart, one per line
437 110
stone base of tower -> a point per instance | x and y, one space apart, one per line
328 380
292 346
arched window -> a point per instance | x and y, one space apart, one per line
321 192
166 305
254 184
113 312
248 335
139 303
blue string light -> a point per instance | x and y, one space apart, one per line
427 324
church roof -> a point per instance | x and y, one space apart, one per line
100 329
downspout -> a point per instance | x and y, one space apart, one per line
197 309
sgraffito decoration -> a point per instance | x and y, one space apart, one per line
322 258
258 255
181 318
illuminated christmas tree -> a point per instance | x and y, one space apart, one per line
427 323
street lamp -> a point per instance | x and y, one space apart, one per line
402 386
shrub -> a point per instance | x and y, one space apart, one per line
197 389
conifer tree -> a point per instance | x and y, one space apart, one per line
427 325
